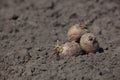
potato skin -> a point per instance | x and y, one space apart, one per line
75 32
70 49
89 43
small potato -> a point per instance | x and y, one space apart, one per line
69 49
76 31
89 43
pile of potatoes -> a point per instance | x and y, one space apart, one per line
80 40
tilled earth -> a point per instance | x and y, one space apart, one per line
29 30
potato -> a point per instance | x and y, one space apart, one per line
89 43
68 49
76 31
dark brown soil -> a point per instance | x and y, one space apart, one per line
29 29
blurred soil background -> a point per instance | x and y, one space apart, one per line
30 28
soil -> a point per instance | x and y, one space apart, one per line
29 30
